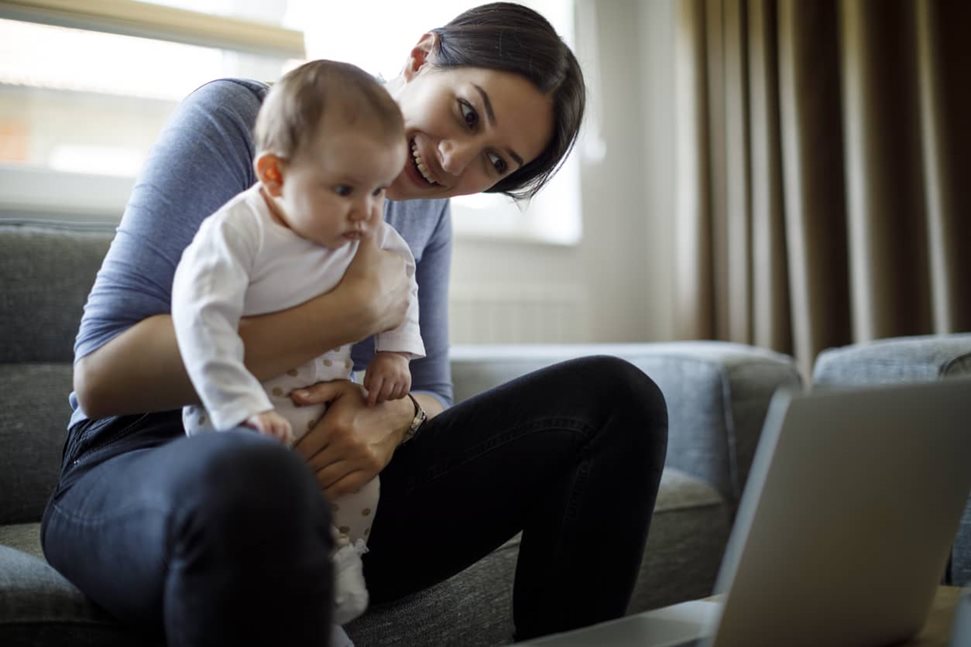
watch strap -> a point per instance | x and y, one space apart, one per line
416 422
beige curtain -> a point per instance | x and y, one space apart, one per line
824 171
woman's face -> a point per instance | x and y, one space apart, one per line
467 128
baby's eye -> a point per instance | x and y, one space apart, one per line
469 115
343 190
498 163
378 191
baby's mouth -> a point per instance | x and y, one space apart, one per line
420 164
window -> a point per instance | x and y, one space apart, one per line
86 87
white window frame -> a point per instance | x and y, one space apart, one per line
131 18
26 191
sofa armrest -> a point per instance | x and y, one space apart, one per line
919 358
717 394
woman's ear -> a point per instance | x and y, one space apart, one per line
420 55
269 171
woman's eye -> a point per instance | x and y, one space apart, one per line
469 115
342 190
498 163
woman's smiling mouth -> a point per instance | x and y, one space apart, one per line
420 164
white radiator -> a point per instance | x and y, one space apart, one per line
520 314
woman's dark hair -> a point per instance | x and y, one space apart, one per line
511 38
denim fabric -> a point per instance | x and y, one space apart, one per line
223 539
218 539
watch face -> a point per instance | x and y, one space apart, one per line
419 420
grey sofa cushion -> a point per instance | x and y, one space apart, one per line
689 531
47 271
32 432
39 607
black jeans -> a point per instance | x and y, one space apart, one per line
224 538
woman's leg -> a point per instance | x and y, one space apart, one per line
218 539
571 455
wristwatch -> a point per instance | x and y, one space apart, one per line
416 422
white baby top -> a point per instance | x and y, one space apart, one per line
241 263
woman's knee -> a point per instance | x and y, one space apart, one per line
629 396
241 485
624 385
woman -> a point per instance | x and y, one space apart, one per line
224 538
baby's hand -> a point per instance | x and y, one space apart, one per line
272 424
387 377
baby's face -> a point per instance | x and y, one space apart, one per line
333 190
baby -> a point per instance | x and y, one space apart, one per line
329 140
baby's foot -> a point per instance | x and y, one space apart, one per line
350 591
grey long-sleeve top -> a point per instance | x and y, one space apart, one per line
202 159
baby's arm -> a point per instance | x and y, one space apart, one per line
207 301
387 377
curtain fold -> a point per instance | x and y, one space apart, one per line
945 105
822 149
772 323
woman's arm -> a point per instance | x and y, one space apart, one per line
126 358
146 359
141 369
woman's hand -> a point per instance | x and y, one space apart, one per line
352 442
379 284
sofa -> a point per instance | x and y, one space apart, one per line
717 394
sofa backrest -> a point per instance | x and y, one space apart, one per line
46 271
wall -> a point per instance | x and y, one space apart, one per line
619 275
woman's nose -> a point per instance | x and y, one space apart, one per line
455 155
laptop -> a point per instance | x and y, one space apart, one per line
843 531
